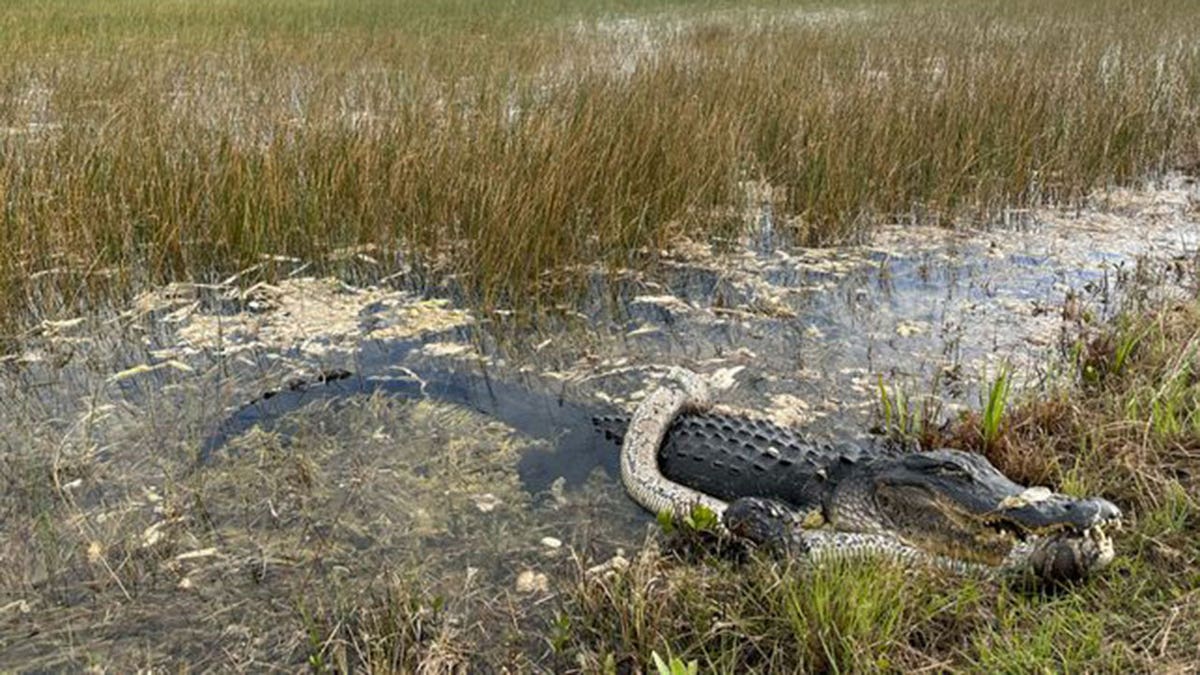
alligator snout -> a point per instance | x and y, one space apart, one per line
1038 509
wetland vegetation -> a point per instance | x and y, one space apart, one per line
968 223
503 145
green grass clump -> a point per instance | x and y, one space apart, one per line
732 616
993 408
674 666
504 145
391 627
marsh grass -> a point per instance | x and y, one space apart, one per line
765 615
393 626
279 554
907 418
499 147
1133 402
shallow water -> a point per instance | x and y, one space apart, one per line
345 480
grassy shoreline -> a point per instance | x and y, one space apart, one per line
149 142
1122 421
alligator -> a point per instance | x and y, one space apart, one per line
768 485
946 507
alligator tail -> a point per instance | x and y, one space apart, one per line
584 436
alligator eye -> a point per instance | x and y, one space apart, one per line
953 470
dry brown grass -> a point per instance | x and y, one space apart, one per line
500 147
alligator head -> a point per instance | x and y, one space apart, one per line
956 504
949 505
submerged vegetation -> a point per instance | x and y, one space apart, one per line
502 145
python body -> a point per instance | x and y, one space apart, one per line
767 483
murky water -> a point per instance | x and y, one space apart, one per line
374 472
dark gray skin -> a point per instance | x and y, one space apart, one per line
859 488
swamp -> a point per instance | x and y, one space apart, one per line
245 244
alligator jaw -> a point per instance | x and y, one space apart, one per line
1054 536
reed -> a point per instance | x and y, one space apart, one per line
509 147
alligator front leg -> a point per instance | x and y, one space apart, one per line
766 523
